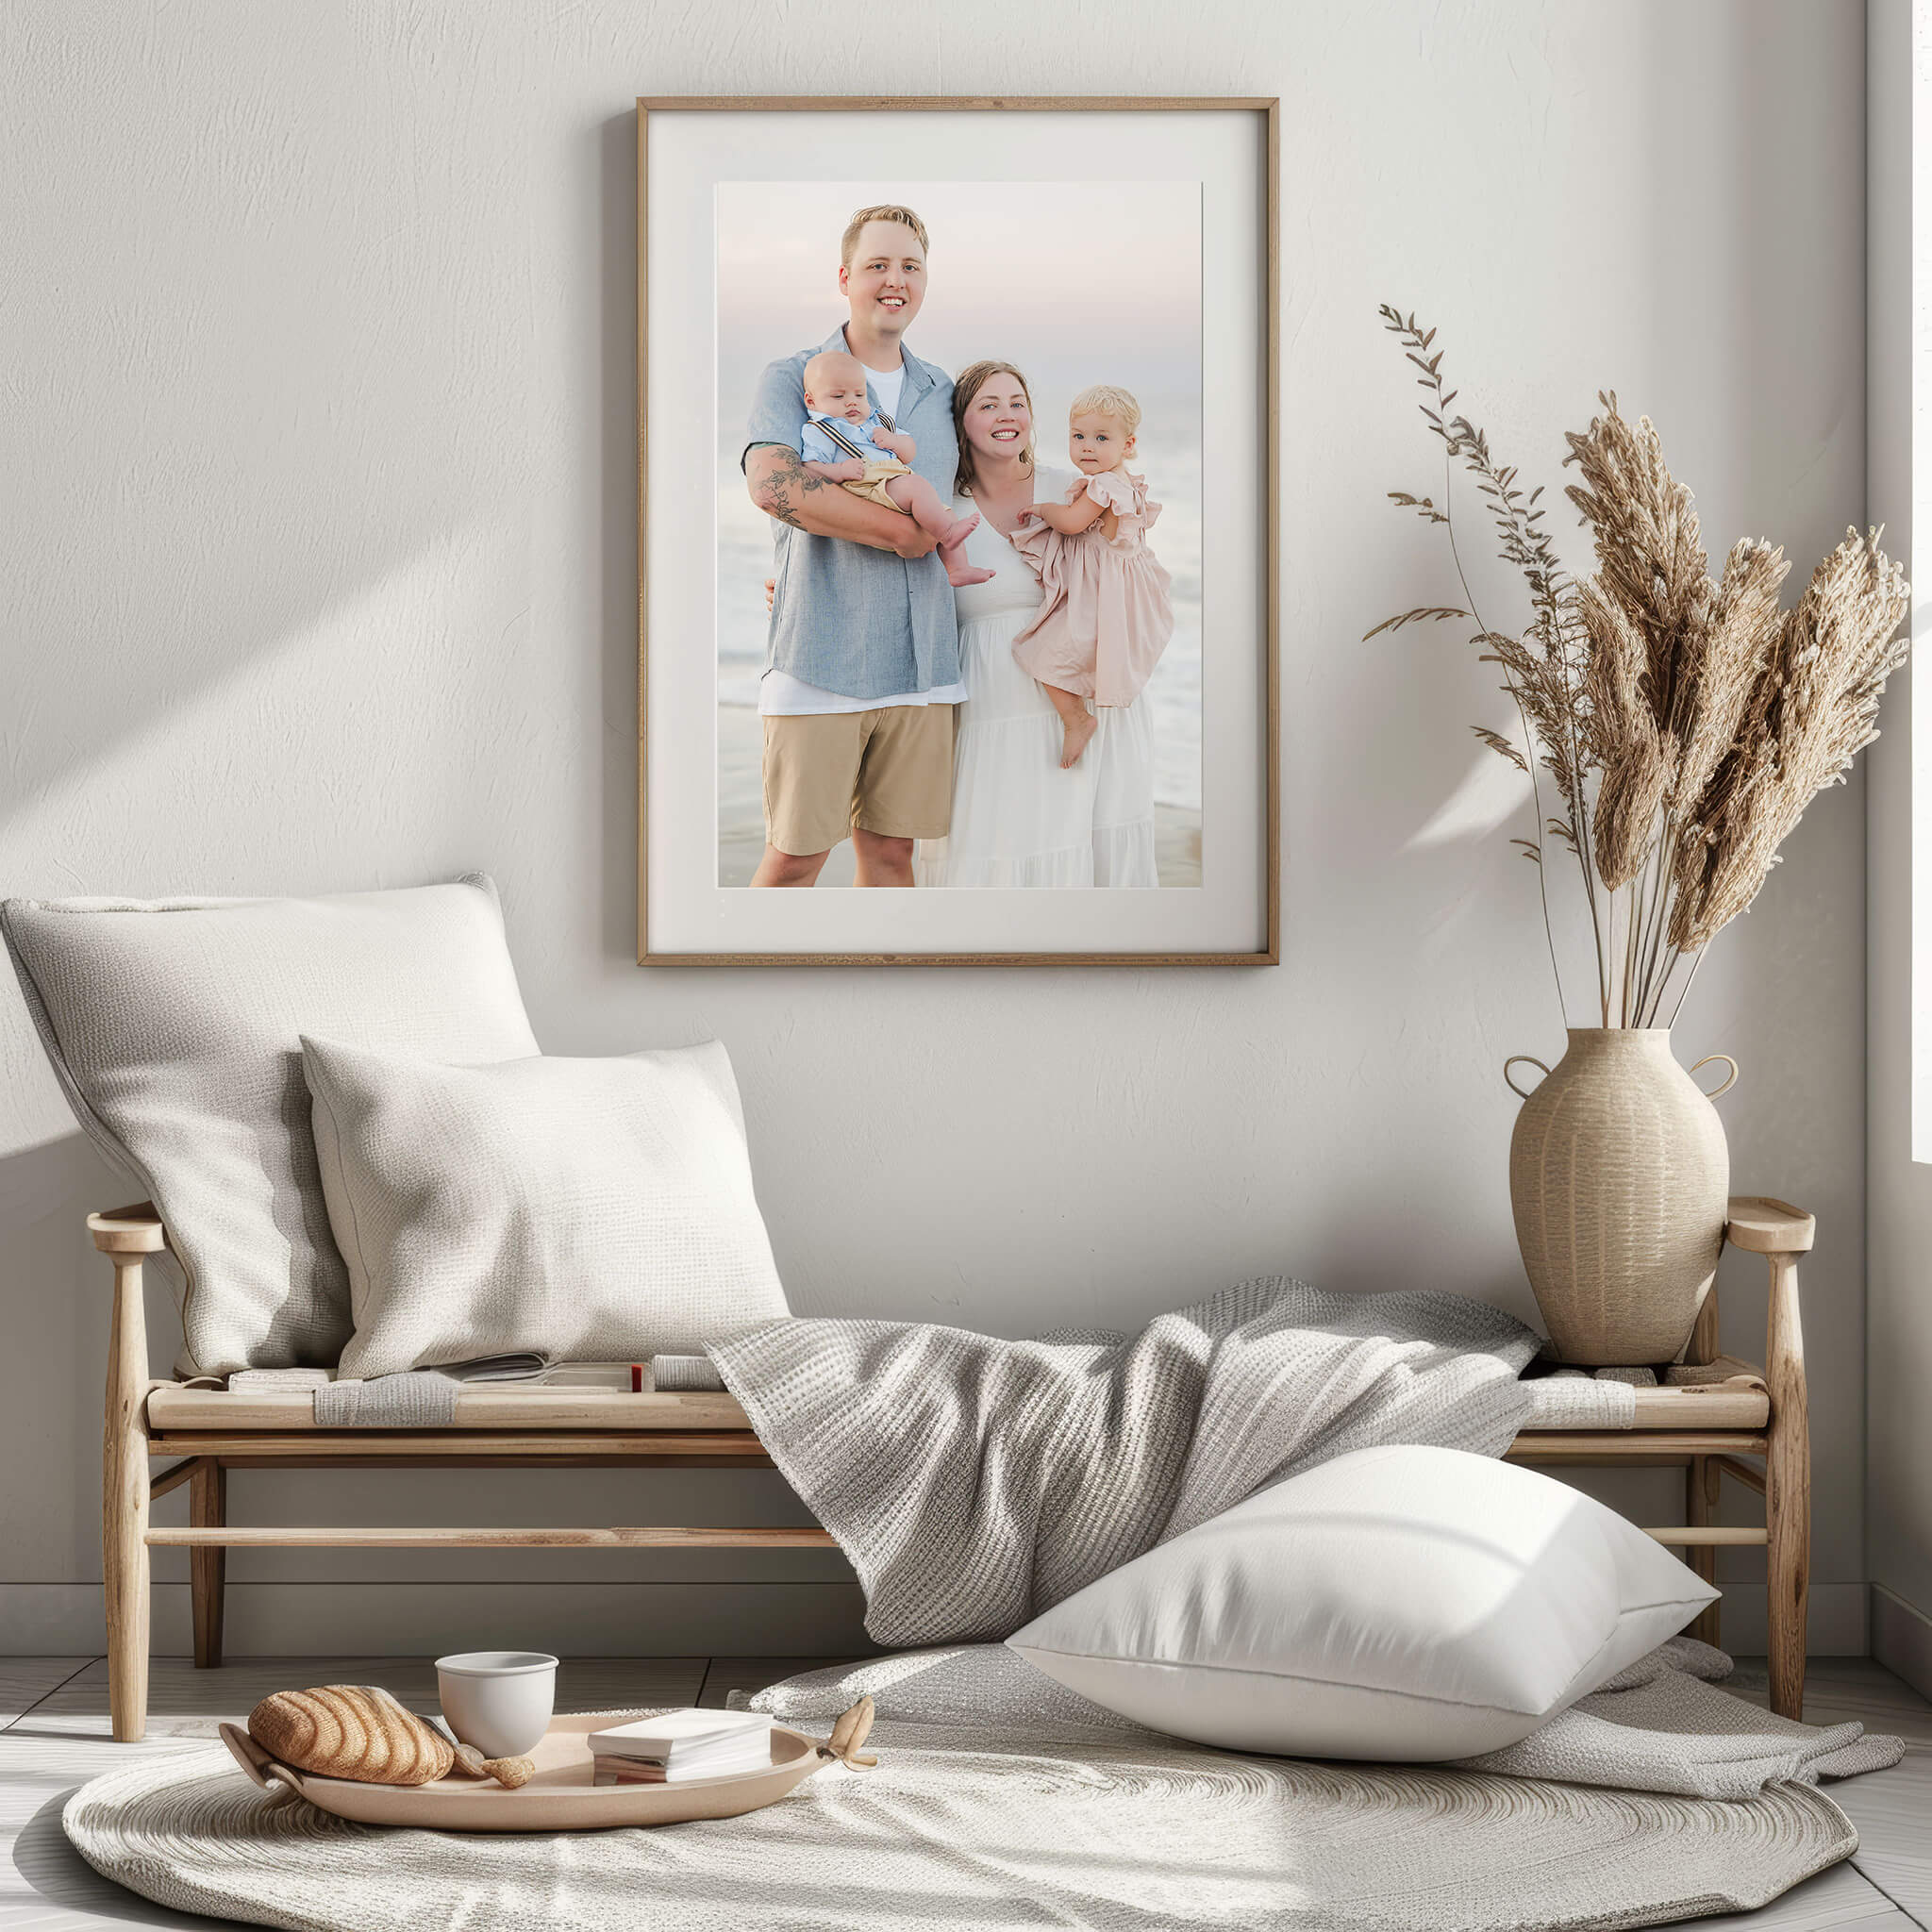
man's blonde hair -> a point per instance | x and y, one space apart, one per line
1108 399
904 216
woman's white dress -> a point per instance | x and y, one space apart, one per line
1019 819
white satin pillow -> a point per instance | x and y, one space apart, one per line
581 1209
1404 1604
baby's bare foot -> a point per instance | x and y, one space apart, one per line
959 532
1079 731
961 572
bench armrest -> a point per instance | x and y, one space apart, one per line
135 1230
1764 1227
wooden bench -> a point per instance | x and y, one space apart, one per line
1710 1432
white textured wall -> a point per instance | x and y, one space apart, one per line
318 513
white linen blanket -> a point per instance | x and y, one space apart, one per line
973 1482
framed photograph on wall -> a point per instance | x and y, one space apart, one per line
958 451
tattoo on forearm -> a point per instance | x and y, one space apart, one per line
788 481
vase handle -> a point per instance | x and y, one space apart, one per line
1529 1060
1728 1084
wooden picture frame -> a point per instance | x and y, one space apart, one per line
1263 948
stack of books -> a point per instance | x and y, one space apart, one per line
679 1745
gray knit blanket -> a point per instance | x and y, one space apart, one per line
975 1482
1660 1724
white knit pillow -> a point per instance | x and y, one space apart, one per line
174 1027
582 1209
1406 1603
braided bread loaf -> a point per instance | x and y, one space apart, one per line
354 1731
359 1731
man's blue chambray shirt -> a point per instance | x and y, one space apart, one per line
846 617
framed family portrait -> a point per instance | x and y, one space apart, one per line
957 452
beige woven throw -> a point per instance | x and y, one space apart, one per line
958 1827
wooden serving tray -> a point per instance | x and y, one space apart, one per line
561 1797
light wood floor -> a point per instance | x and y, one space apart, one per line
54 1737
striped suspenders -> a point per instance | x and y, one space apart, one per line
844 441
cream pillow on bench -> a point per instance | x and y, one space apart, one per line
174 1027
580 1210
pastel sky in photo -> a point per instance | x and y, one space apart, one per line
1077 281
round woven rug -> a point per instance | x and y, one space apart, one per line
967 1828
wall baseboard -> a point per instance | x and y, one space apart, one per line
1836 1626
1902 1639
680 1620
426 1619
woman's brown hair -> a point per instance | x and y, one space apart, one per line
967 385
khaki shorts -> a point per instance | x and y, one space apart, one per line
872 486
887 771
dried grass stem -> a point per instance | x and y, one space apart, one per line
1684 723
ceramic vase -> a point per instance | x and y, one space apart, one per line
1619 1175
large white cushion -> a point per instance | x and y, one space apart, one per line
175 1024
582 1209
1406 1602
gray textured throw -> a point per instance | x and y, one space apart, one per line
418 1399
1660 1725
683 1373
973 1482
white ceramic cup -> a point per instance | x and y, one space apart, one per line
498 1700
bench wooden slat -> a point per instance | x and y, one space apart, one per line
434 1445
172 1410
481 1406
482 1538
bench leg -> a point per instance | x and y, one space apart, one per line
1787 1494
207 1508
124 1506
1702 1480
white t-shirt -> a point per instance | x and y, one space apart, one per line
781 696
885 384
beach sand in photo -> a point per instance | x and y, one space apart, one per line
742 814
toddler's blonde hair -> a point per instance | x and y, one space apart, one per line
1108 399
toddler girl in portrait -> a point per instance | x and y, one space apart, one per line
847 441
1105 614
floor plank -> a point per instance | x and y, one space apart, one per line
25 1680
1838 1897
1838 1688
1891 1809
179 1694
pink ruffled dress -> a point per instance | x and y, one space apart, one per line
1106 614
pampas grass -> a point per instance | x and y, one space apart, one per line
1681 725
